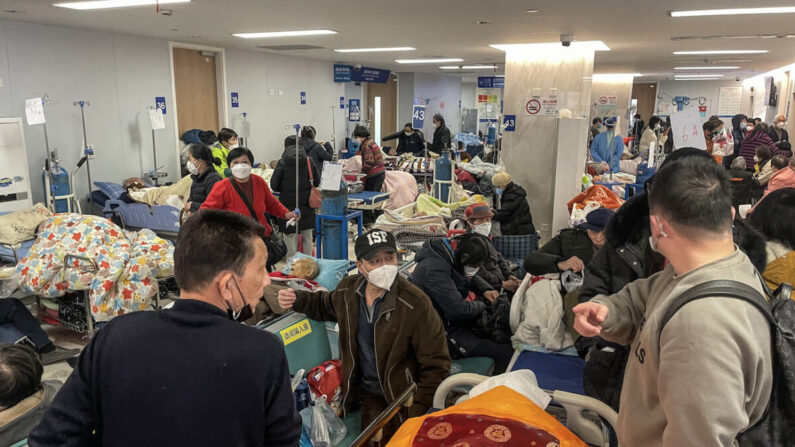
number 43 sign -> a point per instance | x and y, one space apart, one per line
418 117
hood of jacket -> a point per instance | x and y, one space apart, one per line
513 188
630 223
736 120
288 156
435 248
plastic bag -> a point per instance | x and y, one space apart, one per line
328 430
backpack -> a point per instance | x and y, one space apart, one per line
776 428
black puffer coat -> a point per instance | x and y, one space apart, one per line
626 257
514 213
201 187
316 152
283 181
569 242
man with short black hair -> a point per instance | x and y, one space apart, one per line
705 376
190 375
390 335
410 141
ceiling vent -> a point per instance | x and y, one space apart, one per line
289 47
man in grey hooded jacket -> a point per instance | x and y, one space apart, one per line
707 376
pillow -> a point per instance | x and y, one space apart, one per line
114 191
20 226
331 270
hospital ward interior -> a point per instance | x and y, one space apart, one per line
409 224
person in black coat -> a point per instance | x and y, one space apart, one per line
513 214
744 186
215 382
441 136
200 165
410 140
573 248
318 152
283 181
777 131
448 275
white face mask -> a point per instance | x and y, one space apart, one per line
657 127
484 228
383 277
652 242
192 168
408 134
241 170
749 128
470 271
756 159
780 125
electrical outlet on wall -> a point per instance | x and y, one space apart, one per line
281 92
1 82
272 92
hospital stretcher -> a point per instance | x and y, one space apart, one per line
584 416
368 200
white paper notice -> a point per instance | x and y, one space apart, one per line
34 111
156 118
332 176
652 150
729 101
686 129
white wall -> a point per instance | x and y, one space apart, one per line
121 75
441 88
405 98
694 89
469 96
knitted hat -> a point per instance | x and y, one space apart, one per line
478 211
501 179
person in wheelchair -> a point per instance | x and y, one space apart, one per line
390 335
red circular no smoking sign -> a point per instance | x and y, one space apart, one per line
603 100
533 106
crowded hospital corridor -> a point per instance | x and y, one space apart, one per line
358 223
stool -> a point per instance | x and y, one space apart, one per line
319 218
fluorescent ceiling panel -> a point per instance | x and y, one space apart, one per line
733 11
311 32
706 68
108 4
428 61
595 45
720 52
374 50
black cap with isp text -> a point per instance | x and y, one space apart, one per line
375 240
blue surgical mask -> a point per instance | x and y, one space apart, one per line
498 191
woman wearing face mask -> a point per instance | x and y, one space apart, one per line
446 271
762 168
249 195
756 137
571 249
652 134
372 159
200 166
227 140
496 270
716 140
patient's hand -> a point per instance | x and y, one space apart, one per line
286 298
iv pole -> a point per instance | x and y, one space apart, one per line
48 162
88 150
297 128
155 175
333 134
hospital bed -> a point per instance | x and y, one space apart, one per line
368 200
11 254
584 416
162 219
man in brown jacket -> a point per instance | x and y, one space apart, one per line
390 335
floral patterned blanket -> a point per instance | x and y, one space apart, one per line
81 252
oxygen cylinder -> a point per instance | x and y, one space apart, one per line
492 135
335 233
443 176
60 187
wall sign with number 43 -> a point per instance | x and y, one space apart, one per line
509 123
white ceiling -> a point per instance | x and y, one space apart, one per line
639 32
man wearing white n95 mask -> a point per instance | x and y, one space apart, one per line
390 334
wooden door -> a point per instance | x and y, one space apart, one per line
196 90
646 94
388 94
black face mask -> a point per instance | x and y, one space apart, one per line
245 312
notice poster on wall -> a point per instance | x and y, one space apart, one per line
686 129
729 101
34 111
156 119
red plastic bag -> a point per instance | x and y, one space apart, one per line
326 380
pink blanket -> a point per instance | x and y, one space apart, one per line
402 186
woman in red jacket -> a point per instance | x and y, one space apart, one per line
247 194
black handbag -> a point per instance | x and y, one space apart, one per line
494 322
277 249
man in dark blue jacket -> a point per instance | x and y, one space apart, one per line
191 375
448 275
410 140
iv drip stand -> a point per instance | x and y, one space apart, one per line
335 157
48 165
297 128
88 151
155 175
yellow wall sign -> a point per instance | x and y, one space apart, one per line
296 331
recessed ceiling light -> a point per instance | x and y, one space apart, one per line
428 61
614 76
265 35
733 11
706 68
107 4
482 22
467 67
699 76
173 29
698 79
595 45
721 52
532 11
374 50
14 11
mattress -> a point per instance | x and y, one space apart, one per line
158 218
553 371
7 254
